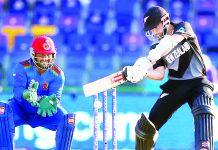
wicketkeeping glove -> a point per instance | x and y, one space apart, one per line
47 106
30 94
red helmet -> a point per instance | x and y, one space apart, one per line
43 45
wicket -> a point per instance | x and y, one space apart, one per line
105 128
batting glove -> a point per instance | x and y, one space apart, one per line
131 74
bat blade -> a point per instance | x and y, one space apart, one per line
103 84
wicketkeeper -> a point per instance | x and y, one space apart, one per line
176 50
38 85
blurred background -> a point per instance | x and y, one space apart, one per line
95 38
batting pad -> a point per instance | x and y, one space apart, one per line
64 134
7 128
146 134
204 119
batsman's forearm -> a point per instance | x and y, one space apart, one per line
156 74
164 47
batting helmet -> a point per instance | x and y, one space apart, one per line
153 17
43 45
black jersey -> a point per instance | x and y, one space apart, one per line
184 61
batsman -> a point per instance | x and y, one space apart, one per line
175 50
38 85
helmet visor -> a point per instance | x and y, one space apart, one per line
156 33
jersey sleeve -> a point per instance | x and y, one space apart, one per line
20 82
184 29
57 85
159 62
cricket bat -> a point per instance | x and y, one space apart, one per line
103 84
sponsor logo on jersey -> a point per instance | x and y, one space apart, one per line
45 86
2 110
178 52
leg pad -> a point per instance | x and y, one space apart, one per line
7 127
64 134
146 134
202 110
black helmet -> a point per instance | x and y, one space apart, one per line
154 16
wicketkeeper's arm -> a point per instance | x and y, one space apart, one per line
20 82
56 86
